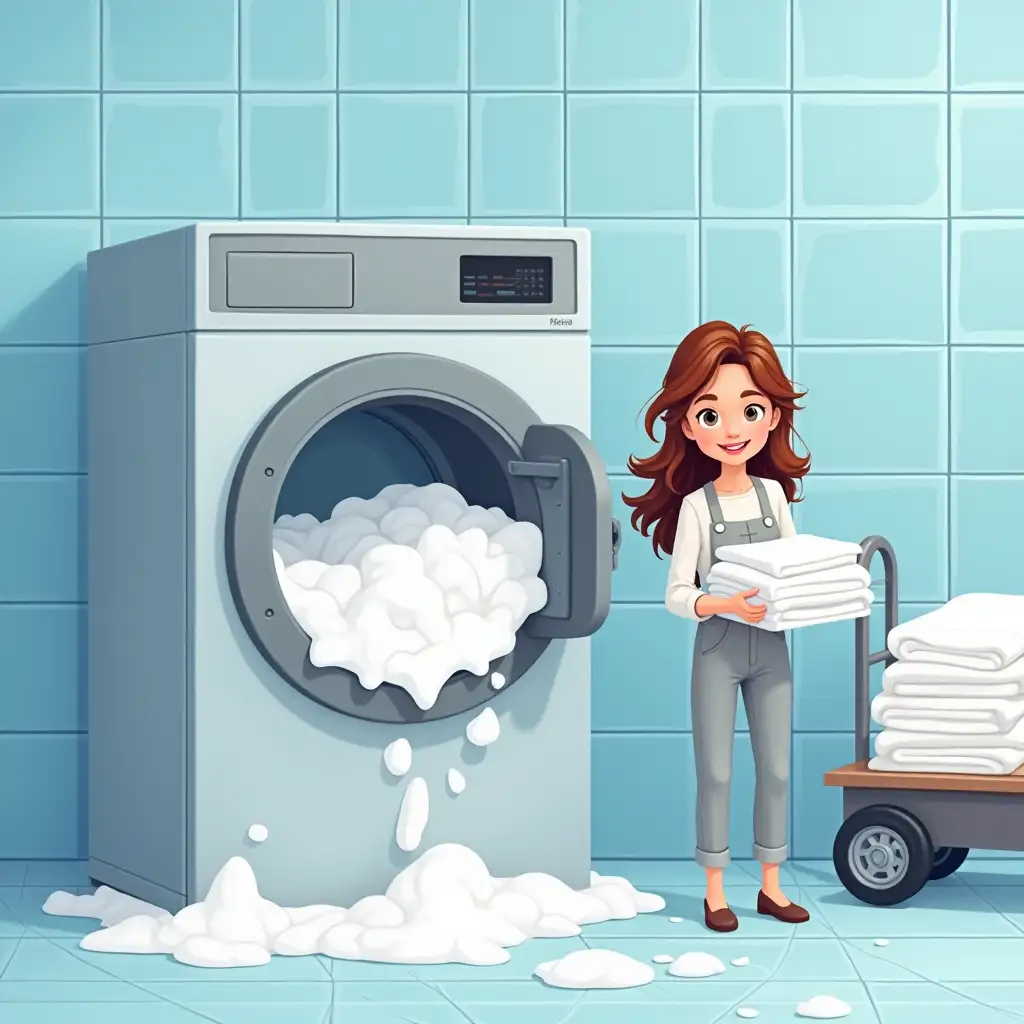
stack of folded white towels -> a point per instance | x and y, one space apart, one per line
954 701
804 580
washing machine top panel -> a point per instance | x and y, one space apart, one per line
376 420
313 277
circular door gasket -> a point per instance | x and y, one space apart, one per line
493 409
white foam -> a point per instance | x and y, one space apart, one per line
409 587
662 958
696 965
443 908
456 781
675 920
258 833
483 730
747 1012
595 968
398 756
881 942
824 1008
413 815
740 961
497 680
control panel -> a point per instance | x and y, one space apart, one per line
392 274
506 279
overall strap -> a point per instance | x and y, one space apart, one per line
714 506
762 497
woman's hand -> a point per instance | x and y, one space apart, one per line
739 605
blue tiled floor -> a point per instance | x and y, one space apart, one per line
955 953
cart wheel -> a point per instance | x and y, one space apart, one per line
882 855
947 860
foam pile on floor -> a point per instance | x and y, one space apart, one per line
824 1008
595 968
411 586
443 908
696 965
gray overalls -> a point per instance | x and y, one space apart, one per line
728 656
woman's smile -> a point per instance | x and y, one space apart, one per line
734 448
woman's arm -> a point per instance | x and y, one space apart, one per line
682 596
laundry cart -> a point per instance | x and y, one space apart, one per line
903 829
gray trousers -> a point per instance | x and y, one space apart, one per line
730 656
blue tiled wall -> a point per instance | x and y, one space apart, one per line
855 193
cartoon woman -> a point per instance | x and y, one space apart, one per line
725 474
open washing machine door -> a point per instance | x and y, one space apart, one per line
459 426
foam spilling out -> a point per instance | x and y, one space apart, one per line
824 1008
595 968
456 781
413 815
443 908
411 586
497 680
696 965
398 757
740 961
675 920
881 942
662 958
483 730
747 1012
258 833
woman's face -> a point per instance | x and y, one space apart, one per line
731 419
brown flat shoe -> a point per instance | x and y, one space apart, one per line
723 920
790 914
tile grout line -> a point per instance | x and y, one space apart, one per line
529 89
794 646
698 172
654 219
565 138
240 161
337 111
469 110
949 298
101 155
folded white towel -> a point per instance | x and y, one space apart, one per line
982 631
989 762
953 715
810 616
792 556
841 579
818 602
890 740
929 679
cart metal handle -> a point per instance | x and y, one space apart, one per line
863 656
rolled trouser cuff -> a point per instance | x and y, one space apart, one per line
712 860
771 856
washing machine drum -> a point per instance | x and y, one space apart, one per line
363 424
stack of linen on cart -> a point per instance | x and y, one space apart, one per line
804 580
954 701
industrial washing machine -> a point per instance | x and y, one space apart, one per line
240 371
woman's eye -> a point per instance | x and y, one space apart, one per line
707 418
753 413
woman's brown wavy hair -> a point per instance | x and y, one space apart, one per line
679 467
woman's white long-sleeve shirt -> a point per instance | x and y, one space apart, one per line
691 554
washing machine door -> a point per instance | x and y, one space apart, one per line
412 418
